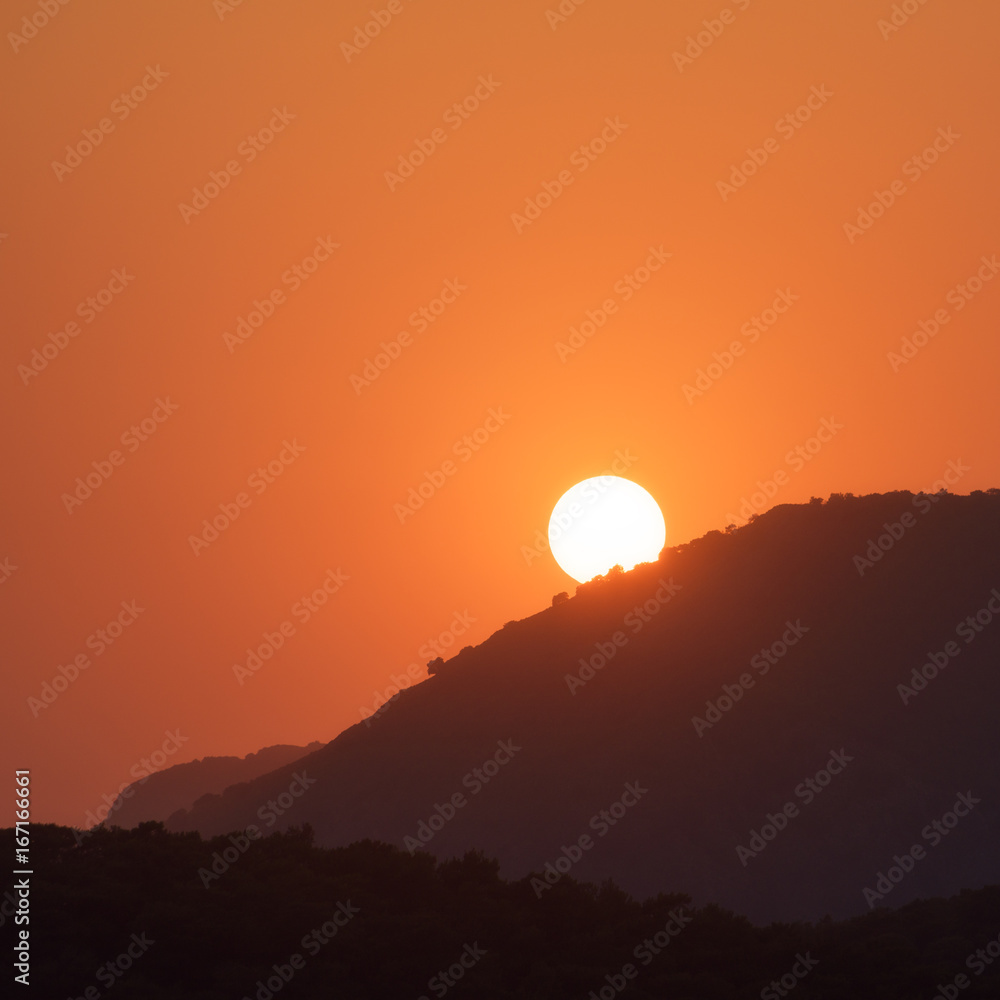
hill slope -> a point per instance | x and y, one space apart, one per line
162 793
747 739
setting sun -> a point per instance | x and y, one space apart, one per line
602 522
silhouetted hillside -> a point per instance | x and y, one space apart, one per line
159 916
162 793
747 740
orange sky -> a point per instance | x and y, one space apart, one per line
597 165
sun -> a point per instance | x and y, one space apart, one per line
602 522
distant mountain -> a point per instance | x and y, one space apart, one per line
162 793
794 718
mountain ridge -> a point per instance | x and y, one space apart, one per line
629 717
163 792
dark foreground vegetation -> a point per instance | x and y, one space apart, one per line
144 914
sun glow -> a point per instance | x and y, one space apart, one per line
605 521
